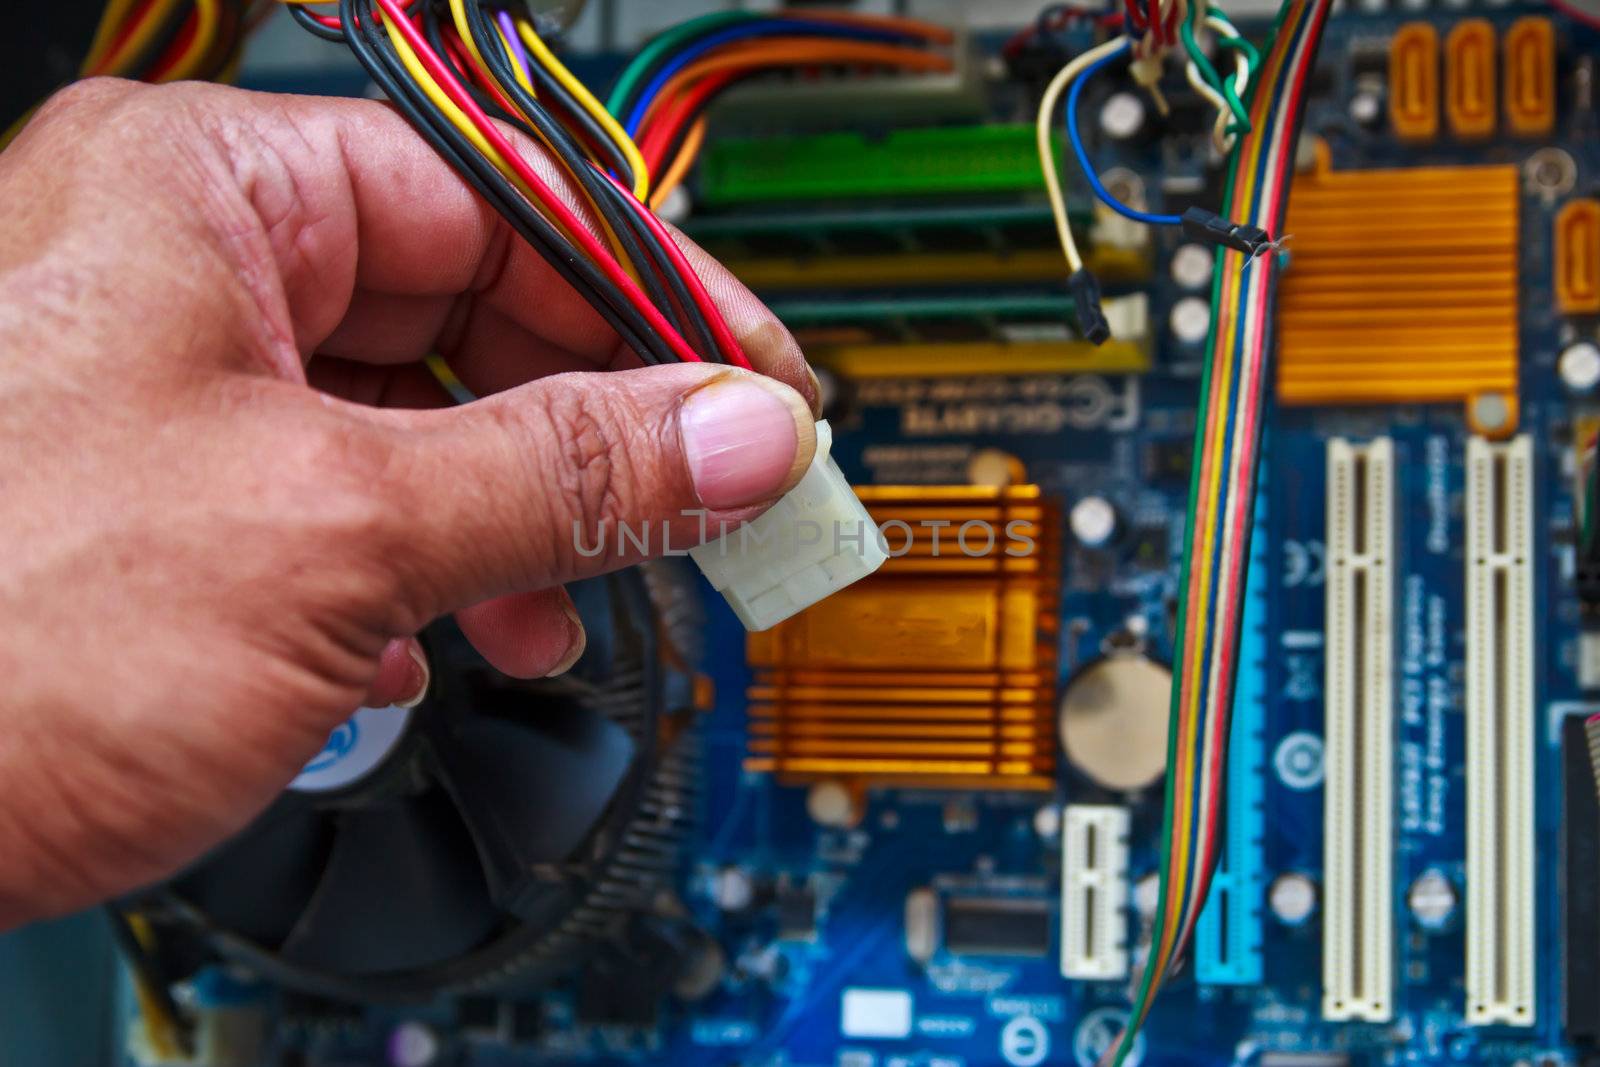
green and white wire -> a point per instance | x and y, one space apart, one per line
1221 135
1047 156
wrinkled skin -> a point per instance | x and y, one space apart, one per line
230 494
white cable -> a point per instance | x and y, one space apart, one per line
1047 157
1220 136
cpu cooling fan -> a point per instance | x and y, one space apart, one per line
486 838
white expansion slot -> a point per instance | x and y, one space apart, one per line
1500 733
1358 856
1094 892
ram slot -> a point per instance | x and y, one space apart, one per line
1228 939
1094 892
1500 734
1358 860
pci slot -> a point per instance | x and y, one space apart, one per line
1228 939
1358 859
1500 734
1094 892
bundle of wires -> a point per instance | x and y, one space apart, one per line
169 40
663 94
1222 503
454 67
166 40
1071 80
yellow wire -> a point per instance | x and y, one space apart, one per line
208 13
458 14
547 59
115 14
680 165
140 40
1047 150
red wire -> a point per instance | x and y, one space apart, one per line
179 46
660 133
726 342
565 217
126 32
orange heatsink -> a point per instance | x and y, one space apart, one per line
940 669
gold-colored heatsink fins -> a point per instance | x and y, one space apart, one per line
937 671
1402 289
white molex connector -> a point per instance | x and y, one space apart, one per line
808 546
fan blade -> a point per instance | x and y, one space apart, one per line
256 884
402 890
531 789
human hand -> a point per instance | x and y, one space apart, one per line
232 492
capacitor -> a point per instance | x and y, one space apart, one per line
833 804
1122 116
1579 368
1292 898
1190 320
732 889
1113 720
1147 896
413 1044
1432 899
1191 266
1366 107
1093 522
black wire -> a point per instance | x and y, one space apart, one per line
150 973
309 23
369 46
550 88
619 208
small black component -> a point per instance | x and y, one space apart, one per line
1147 548
1168 463
478 1014
1085 290
797 912
1211 228
996 926
1580 885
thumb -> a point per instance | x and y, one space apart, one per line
576 474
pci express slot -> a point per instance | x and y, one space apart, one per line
1358 860
1228 939
1500 734
1094 892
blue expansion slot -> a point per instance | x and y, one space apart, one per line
1228 940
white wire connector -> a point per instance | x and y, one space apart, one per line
806 547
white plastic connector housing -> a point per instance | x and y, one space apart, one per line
806 547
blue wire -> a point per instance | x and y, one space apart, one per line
1076 140
745 31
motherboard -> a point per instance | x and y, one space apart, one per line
919 825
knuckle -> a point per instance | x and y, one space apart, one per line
590 465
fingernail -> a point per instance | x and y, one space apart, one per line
416 678
579 639
742 436
816 394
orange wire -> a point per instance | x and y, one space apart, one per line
927 31
797 54
674 175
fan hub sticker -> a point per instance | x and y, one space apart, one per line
354 750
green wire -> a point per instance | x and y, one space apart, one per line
1147 980
669 41
1241 117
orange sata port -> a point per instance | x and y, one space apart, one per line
1577 265
1530 49
1414 82
1470 102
